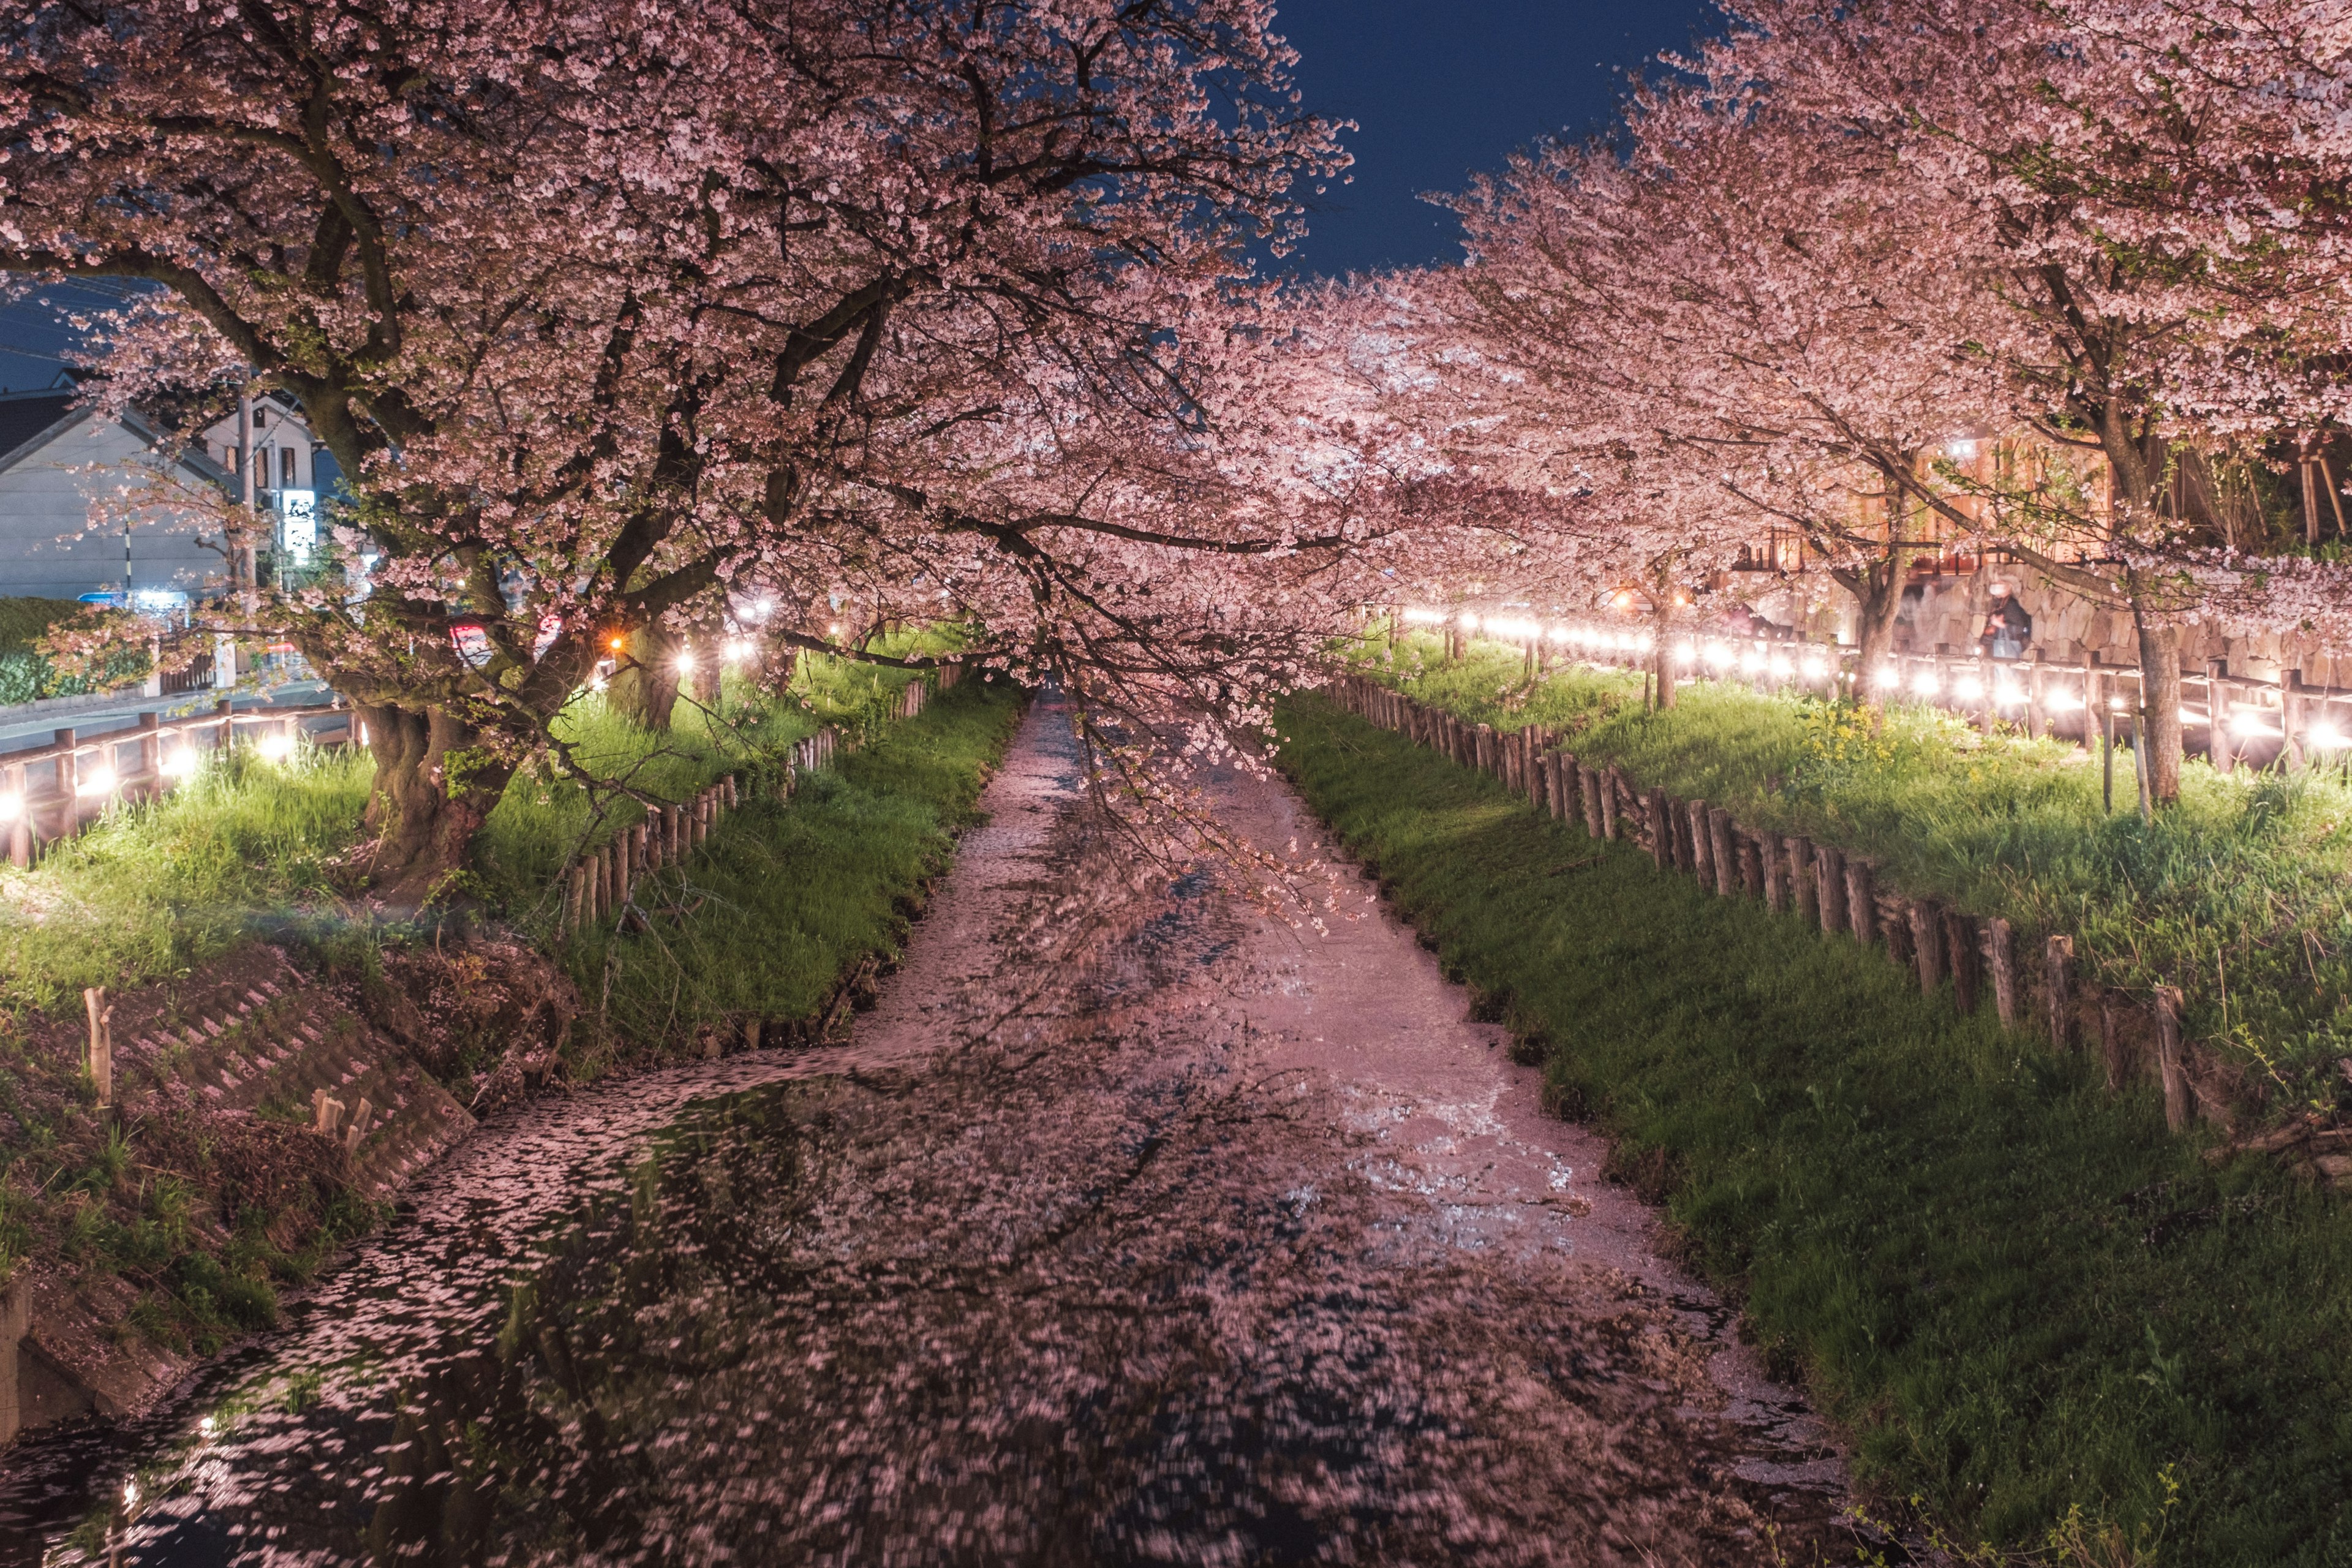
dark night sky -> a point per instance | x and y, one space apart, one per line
1441 90
1438 89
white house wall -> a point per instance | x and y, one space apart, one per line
45 508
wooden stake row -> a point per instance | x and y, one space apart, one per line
602 882
1820 883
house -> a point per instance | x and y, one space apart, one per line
64 533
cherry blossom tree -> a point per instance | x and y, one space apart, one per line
611 316
1733 308
2113 156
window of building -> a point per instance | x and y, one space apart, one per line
286 467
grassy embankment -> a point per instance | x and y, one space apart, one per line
2031 1307
2241 894
780 902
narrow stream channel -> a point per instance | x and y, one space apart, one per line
1144 1221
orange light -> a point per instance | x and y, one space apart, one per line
1624 601
620 643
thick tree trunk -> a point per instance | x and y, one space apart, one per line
645 687
2159 666
1877 590
433 789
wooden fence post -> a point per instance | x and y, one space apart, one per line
1661 828
2217 738
1804 897
1861 901
1776 872
1701 859
2001 949
1967 958
1927 943
2058 989
1616 790
97 1061
1723 857
1751 864
20 829
1828 877
1591 781
2168 1062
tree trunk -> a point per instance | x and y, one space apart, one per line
1662 653
645 687
433 788
2159 684
1877 590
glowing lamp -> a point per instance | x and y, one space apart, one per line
1751 660
764 608
620 643
1927 683
275 746
685 664
1685 653
1559 633
1717 656
1886 675
1781 668
1642 642
1623 601
12 807
2006 695
100 780
738 648
1968 689
1815 668
184 762
2246 724
2324 738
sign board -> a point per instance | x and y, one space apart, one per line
297 525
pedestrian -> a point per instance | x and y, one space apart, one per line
2008 626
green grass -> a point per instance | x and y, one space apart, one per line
2240 894
784 898
2016 1293
545 817
153 890
247 845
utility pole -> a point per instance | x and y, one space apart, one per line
241 562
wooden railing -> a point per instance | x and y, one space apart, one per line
53 791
